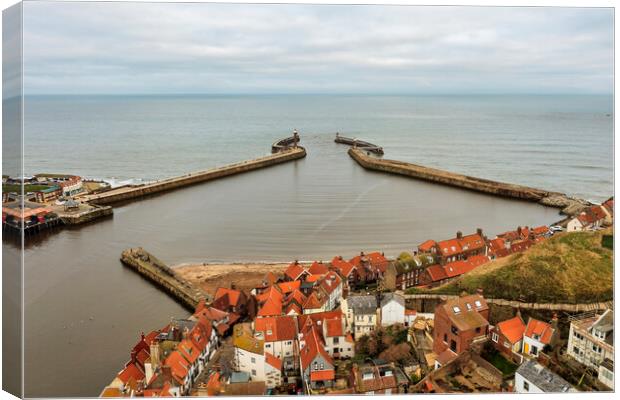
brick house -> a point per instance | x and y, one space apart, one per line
230 300
459 322
507 336
461 247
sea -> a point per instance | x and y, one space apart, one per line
84 310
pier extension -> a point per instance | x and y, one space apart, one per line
360 144
163 276
569 206
136 191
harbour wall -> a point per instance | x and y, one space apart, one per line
569 206
163 276
137 191
93 213
366 146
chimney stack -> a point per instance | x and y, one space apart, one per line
519 230
459 235
479 232
480 291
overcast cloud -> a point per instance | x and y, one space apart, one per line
82 48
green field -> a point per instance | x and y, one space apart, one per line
15 188
567 268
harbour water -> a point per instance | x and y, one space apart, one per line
84 310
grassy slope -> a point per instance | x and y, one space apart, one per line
568 268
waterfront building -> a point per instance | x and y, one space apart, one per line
531 377
401 275
461 247
295 271
537 335
438 274
392 309
590 341
590 219
361 314
459 323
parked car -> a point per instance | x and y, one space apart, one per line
556 228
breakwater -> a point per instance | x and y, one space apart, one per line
285 144
163 276
569 206
136 191
361 144
93 212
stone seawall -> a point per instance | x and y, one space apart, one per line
366 146
163 276
568 205
93 213
133 192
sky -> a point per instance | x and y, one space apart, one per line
169 48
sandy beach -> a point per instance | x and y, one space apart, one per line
245 276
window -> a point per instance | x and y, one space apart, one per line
445 337
506 344
454 330
495 337
316 366
289 342
596 348
534 350
468 306
254 372
336 340
478 303
576 350
456 309
253 360
526 386
268 345
478 330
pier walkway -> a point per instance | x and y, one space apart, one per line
131 192
163 276
356 143
569 206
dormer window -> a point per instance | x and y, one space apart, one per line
269 332
478 303
468 306
456 309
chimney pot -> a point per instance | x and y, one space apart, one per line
459 234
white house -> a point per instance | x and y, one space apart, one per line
531 377
590 342
273 371
279 334
361 314
392 309
332 284
537 335
249 352
338 343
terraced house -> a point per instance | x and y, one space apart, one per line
590 342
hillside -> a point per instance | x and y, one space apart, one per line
567 268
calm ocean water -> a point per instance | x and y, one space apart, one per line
562 143
84 308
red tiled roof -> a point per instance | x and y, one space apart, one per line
276 329
294 271
178 366
449 247
315 300
272 293
293 309
457 268
446 356
288 287
512 329
318 268
542 329
540 230
330 282
270 308
609 205
228 296
313 348
343 266
333 327
436 272
307 320
213 384
472 242
325 375
270 278
142 356
477 260
313 278
427 245
375 259
212 314
297 296
273 361
131 371
188 350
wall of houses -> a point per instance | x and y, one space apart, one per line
392 313
252 363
